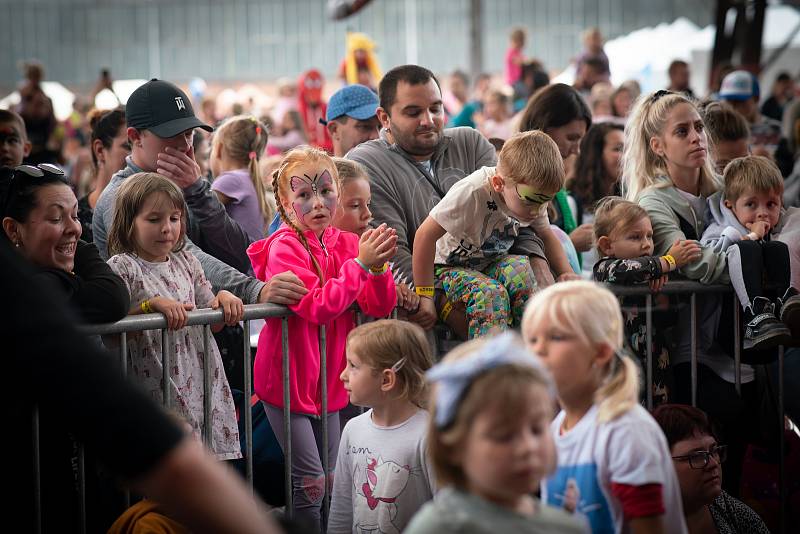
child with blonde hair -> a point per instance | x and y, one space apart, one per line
624 237
354 216
614 466
474 228
146 241
490 442
382 473
743 215
339 269
236 150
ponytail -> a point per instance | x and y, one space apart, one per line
245 138
620 391
592 313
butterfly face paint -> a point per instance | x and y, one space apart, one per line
313 197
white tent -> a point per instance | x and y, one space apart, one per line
645 54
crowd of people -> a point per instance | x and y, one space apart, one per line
502 232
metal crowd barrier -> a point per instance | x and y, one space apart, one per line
206 317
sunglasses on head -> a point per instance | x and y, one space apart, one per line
31 171
38 171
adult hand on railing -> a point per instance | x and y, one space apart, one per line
232 307
685 251
174 311
426 315
283 288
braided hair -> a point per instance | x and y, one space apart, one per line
294 158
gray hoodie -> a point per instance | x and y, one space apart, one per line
205 223
723 228
404 191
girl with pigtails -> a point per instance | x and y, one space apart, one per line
236 149
339 268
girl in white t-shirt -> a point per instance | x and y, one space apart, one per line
382 472
490 443
614 466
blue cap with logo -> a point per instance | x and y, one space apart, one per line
739 85
357 101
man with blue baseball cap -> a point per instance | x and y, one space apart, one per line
741 90
351 117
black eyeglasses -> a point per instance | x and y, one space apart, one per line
699 459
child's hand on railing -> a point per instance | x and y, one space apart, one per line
684 252
232 307
656 284
174 312
407 299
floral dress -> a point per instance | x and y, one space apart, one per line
638 271
180 278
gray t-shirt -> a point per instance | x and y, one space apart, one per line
454 511
383 475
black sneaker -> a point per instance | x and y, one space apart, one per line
763 330
790 312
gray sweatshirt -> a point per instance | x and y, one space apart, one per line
383 475
404 191
723 229
205 223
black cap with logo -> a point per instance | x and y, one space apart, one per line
162 108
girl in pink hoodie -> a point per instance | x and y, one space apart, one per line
338 268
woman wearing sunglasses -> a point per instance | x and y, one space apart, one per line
698 461
39 215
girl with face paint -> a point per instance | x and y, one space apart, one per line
339 268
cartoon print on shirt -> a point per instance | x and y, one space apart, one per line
576 490
383 482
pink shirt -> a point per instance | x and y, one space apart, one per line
513 69
345 283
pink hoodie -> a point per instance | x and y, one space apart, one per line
328 304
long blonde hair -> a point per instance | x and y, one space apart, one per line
641 167
592 313
280 185
244 138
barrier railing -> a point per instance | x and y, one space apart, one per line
206 317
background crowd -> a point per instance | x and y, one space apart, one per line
472 206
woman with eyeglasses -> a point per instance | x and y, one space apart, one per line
39 214
698 462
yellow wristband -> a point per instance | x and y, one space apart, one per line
379 270
670 260
446 309
424 291
146 307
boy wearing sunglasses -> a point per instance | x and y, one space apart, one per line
14 144
474 228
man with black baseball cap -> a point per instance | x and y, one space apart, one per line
161 123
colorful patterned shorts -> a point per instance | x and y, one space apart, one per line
494 297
